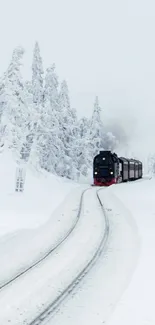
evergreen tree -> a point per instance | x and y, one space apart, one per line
15 116
51 124
37 77
51 87
37 93
42 127
68 127
3 100
82 146
96 130
3 108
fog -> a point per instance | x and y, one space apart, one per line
103 48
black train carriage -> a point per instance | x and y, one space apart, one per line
135 169
105 168
110 169
124 170
131 169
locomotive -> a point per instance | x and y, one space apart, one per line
110 169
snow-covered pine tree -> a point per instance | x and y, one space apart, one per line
96 131
3 101
51 86
29 90
37 92
15 116
51 144
52 148
37 78
3 107
25 152
82 146
68 127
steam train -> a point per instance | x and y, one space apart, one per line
110 169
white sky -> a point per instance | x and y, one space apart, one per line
103 47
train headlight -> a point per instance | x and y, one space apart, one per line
111 173
95 173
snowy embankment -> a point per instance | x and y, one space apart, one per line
137 304
42 195
28 227
30 295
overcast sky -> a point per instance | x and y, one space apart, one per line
102 47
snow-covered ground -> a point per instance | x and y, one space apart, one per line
121 287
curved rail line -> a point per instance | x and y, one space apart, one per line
50 251
47 313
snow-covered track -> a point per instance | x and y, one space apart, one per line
50 251
49 311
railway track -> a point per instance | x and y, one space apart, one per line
49 252
53 307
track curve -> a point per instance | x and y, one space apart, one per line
43 317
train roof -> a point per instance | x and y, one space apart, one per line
123 159
107 154
131 160
104 152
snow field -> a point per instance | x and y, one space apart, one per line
98 293
43 193
23 300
